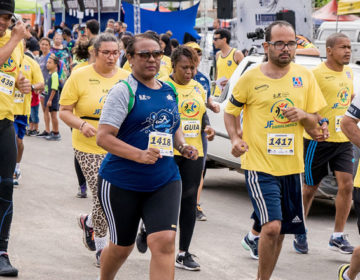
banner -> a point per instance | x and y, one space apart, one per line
88 5
109 6
348 7
56 6
71 4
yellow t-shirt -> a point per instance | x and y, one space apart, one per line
32 71
164 71
225 67
275 143
88 90
337 88
9 72
80 65
191 105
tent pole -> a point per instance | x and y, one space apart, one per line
119 17
337 21
99 18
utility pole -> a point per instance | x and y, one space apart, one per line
137 23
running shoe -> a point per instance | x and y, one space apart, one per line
82 191
6 269
200 216
34 132
251 246
187 262
341 244
53 137
88 233
341 271
98 255
16 177
43 134
300 243
141 243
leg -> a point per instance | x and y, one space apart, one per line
20 149
354 269
269 248
162 247
343 199
308 197
112 258
356 197
54 121
47 119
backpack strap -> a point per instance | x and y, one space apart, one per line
131 96
174 89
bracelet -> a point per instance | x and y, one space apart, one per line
323 120
82 125
182 147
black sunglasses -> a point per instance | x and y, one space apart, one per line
147 54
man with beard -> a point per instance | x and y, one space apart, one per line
281 100
11 57
335 79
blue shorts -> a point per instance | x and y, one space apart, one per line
20 124
55 102
277 198
34 116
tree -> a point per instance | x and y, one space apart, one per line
320 3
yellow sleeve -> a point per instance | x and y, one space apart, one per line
238 97
36 73
70 92
315 100
127 66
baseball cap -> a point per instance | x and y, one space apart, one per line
193 45
7 7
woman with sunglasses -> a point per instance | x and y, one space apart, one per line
138 178
194 120
81 102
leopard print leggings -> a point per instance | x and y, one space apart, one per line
90 164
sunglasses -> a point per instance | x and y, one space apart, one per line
217 38
146 54
110 53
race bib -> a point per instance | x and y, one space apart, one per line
191 128
337 123
163 142
18 97
7 83
280 144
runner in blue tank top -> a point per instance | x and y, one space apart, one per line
139 178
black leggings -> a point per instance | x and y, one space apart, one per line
79 173
7 166
356 197
190 171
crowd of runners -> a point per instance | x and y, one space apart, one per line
137 107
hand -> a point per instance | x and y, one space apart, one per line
239 147
150 156
320 133
215 107
49 103
294 114
223 83
19 31
210 132
23 84
190 152
88 130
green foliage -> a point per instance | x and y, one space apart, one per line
320 3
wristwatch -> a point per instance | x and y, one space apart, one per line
32 88
181 148
323 120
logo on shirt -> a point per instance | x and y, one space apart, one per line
348 74
277 110
229 62
261 87
162 121
297 82
330 78
27 67
197 90
94 81
169 97
144 97
343 97
8 66
190 108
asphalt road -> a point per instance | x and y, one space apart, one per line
46 241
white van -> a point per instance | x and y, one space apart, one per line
349 28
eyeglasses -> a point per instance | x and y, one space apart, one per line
110 53
147 54
279 45
216 38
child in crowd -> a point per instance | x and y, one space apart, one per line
34 115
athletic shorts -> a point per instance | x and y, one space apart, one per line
320 156
20 124
123 209
55 102
277 198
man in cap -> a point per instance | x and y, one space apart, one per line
11 56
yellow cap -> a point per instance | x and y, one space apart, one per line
193 45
